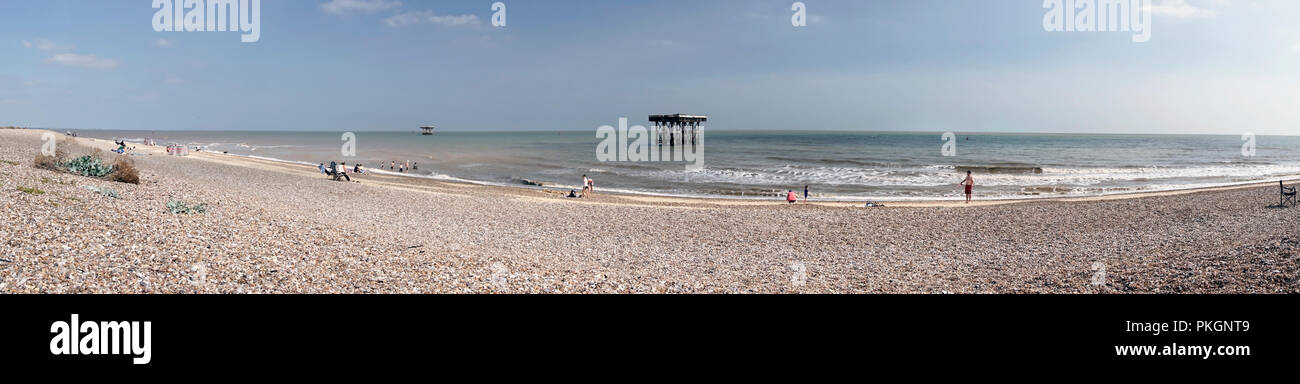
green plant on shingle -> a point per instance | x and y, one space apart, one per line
31 191
178 207
87 166
104 191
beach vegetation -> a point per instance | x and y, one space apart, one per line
31 191
180 207
46 162
104 191
124 171
88 165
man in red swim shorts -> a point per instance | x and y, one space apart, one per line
969 182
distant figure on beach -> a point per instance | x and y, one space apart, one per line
969 182
586 185
358 169
392 164
573 194
415 166
321 167
790 196
805 193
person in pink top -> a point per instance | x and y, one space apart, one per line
789 196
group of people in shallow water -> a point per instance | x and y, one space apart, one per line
338 170
400 167
968 183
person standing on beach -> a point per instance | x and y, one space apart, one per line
805 193
969 182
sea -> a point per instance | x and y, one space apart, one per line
833 165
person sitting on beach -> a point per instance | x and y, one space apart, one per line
321 167
789 196
968 182
358 169
573 194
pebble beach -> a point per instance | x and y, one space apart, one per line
273 227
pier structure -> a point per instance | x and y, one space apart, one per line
426 130
677 128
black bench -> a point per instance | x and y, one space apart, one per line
1285 194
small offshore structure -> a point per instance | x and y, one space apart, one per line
426 130
677 127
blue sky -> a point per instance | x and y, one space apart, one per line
1211 66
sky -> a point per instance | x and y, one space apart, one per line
1210 66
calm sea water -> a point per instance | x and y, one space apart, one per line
761 164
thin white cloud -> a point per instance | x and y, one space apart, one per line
340 7
428 17
1180 9
162 43
46 45
84 61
